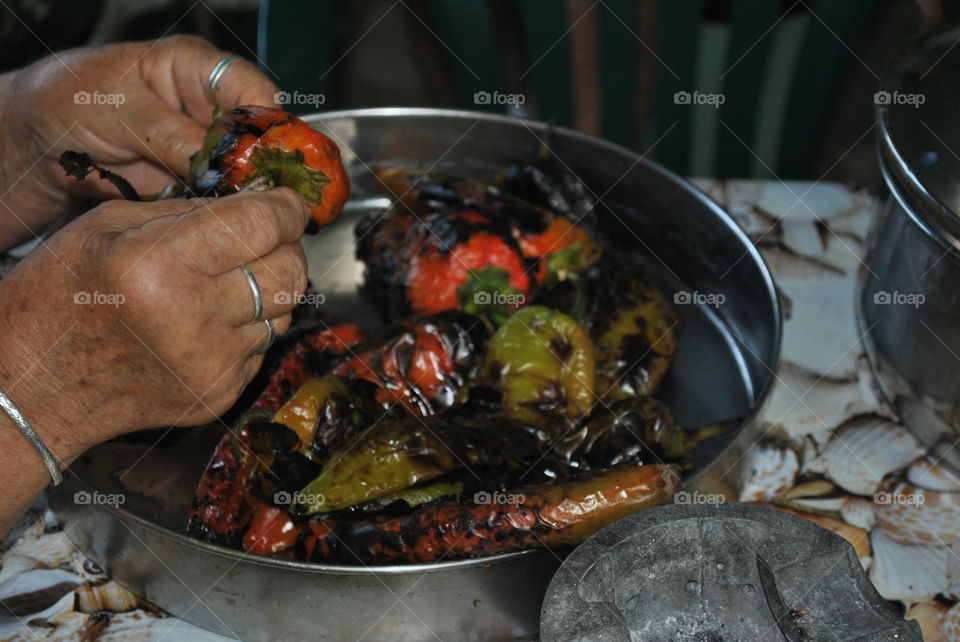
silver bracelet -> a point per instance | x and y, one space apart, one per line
49 461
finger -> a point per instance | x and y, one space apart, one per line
234 230
136 214
159 134
242 84
281 277
253 337
191 60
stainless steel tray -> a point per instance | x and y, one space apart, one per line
724 369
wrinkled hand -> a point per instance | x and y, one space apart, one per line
139 109
135 314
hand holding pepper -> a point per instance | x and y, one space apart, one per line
139 109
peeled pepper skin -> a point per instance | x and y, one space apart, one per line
252 143
544 363
555 514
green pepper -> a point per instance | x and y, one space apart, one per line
395 454
634 329
543 362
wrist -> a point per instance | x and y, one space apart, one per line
35 373
32 196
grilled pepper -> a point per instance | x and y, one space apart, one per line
422 264
457 241
310 357
543 362
396 454
636 430
548 183
258 148
421 364
528 517
326 411
222 504
634 329
271 531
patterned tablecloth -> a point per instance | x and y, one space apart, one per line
833 452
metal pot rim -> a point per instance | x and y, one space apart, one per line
932 215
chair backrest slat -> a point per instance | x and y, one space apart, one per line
545 28
677 49
816 79
753 26
619 26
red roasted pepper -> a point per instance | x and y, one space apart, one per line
258 148
294 369
421 364
271 530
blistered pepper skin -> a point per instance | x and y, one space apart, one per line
544 363
421 364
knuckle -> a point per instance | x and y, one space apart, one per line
187 41
296 269
262 217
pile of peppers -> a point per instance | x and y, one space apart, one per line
508 404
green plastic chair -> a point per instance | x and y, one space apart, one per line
777 65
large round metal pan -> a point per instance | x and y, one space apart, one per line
728 352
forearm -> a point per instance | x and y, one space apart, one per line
29 365
23 474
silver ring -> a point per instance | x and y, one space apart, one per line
257 296
271 335
217 73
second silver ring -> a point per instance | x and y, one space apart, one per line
271 335
257 295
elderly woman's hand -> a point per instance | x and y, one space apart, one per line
137 108
136 314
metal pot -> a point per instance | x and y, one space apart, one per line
909 298
724 369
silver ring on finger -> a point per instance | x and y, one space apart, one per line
271 335
217 73
257 295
